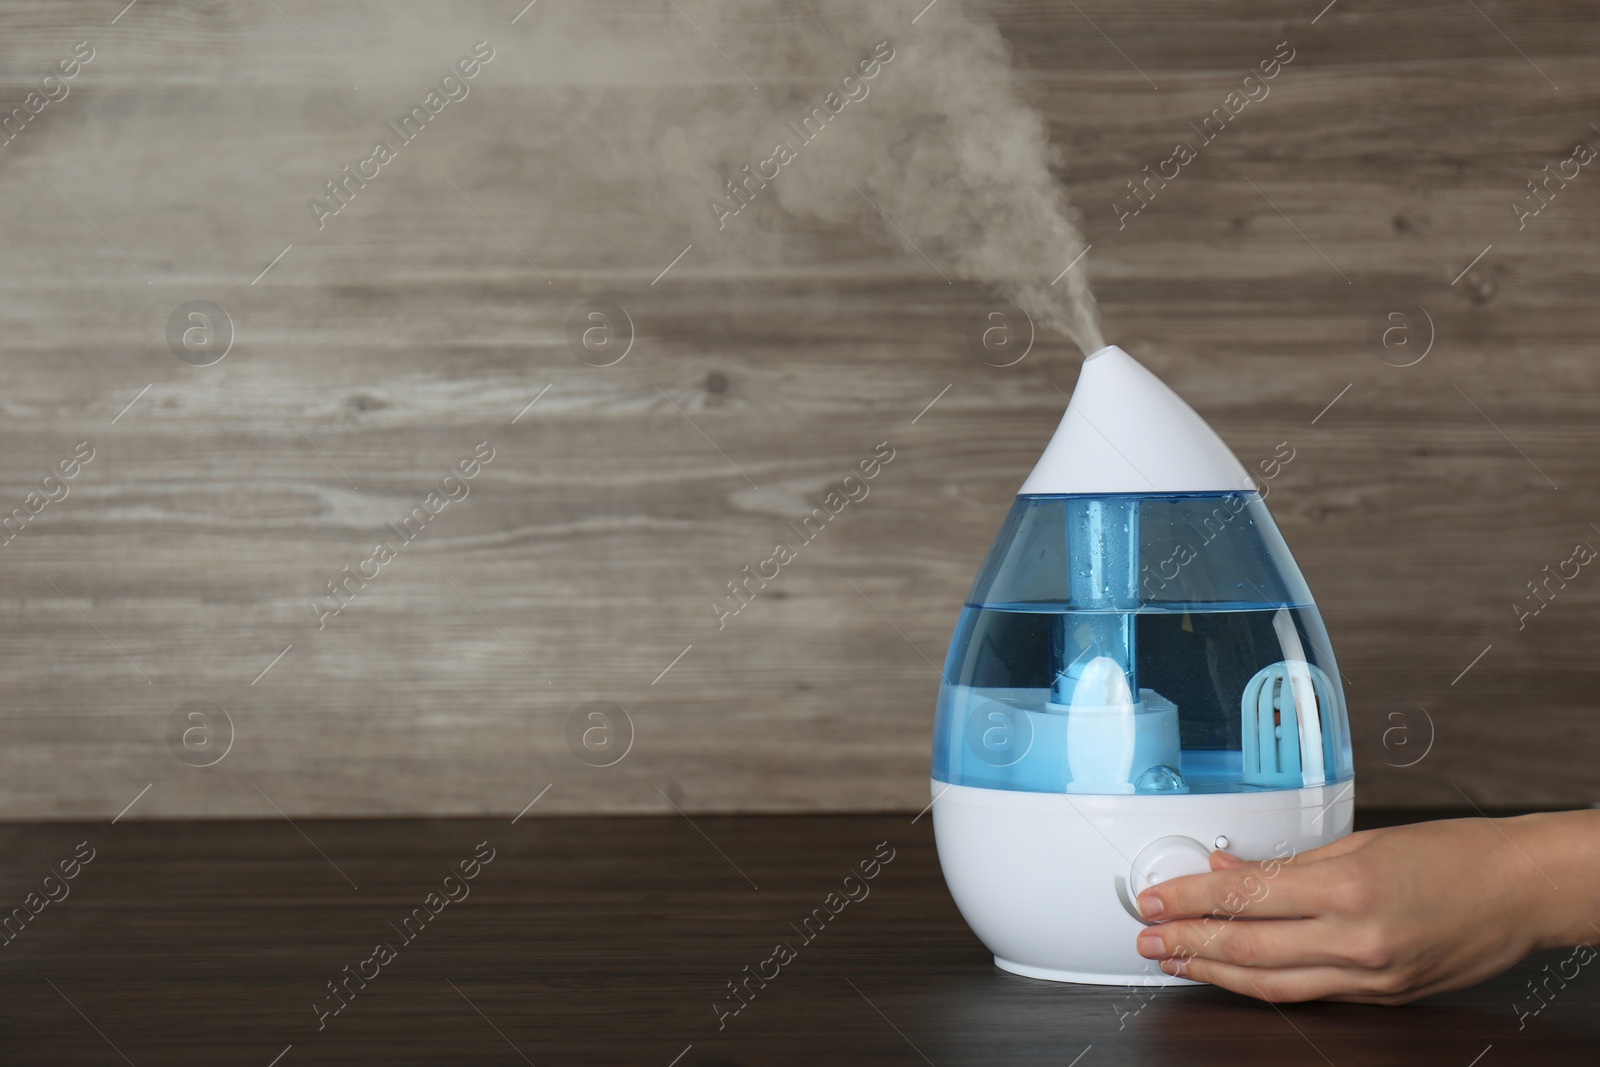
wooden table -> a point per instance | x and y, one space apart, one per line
607 941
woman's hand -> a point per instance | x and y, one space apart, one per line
1382 916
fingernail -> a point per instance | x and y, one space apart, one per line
1151 947
1150 906
1175 967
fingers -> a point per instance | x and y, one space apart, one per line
1284 891
1279 986
1268 943
1227 861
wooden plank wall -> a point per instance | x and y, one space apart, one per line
376 354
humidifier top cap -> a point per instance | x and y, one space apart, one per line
1126 432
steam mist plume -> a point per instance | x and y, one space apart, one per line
925 120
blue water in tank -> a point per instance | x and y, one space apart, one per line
1131 643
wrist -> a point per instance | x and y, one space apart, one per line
1555 864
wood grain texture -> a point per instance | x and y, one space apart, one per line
607 941
377 352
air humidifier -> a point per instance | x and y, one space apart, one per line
1138 677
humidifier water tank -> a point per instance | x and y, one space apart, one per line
1139 675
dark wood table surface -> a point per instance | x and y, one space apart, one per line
608 941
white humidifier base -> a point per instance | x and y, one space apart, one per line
1047 881
1157 977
